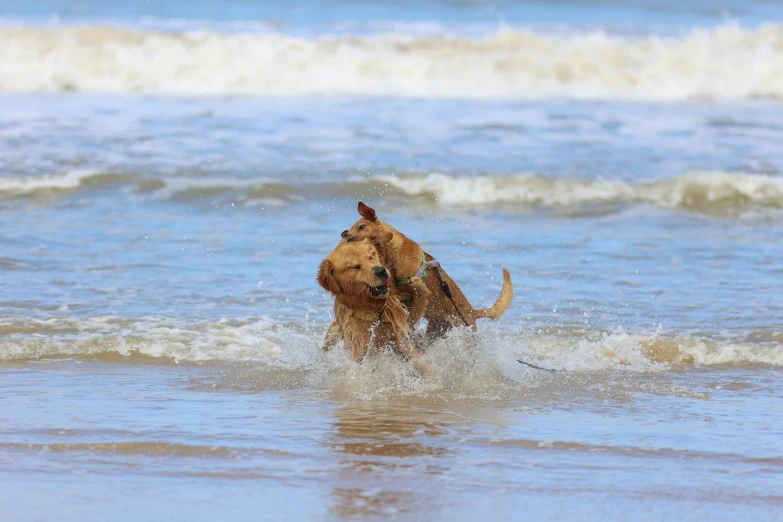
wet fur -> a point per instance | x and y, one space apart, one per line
338 274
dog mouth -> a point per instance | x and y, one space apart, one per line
381 290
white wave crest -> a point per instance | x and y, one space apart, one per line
644 352
295 346
67 182
723 62
164 187
201 341
708 192
713 193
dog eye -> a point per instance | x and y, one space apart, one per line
357 267
345 233
362 227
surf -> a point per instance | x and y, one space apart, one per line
721 62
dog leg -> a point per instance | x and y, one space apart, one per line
332 336
436 328
423 368
421 299
406 348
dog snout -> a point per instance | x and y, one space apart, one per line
381 272
350 239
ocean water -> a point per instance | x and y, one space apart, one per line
172 174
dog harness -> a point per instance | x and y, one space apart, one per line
422 271
422 274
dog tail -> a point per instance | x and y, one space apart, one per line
504 301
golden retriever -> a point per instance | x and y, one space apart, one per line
405 258
368 313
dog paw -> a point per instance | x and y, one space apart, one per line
425 369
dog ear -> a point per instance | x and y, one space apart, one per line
326 277
382 237
366 212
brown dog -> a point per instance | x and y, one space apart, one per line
405 258
368 312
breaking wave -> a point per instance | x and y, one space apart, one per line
719 193
723 62
296 346
711 193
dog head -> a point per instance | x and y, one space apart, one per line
369 226
354 270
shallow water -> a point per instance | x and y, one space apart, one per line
160 320
242 441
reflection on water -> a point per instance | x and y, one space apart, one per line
386 432
377 441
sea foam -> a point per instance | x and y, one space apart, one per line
707 192
294 346
723 62
716 193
